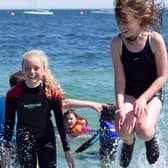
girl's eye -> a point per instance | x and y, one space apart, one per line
121 22
31 68
27 68
36 68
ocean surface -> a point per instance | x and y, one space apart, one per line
78 47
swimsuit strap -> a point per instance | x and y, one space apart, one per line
121 44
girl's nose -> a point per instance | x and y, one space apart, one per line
32 70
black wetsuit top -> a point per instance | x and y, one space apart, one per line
139 68
33 110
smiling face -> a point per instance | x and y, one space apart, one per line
128 21
70 120
33 70
131 28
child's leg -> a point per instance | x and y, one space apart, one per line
26 150
145 125
47 155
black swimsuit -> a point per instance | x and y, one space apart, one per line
35 131
140 70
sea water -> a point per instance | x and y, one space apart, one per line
78 47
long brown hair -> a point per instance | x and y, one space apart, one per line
149 11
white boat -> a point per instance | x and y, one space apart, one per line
39 12
103 11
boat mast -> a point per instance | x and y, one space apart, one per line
34 5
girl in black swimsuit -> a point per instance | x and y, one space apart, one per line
140 65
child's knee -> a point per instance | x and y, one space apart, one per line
144 131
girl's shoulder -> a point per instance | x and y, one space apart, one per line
54 95
116 39
15 91
155 36
156 40
116 45
116 42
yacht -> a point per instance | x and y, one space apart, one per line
39 12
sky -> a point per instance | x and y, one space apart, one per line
57 4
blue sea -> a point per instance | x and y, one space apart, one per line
78 48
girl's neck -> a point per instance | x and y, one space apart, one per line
135 40
132 38
139 36
32 85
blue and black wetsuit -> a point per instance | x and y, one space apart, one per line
109 140
35 131
140 70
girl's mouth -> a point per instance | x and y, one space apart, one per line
124 31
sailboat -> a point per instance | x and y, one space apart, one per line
37 11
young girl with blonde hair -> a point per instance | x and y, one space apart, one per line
33 99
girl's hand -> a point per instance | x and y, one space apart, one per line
125 121
69 159
140 106
119 119
97 106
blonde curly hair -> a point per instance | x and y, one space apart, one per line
51 85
